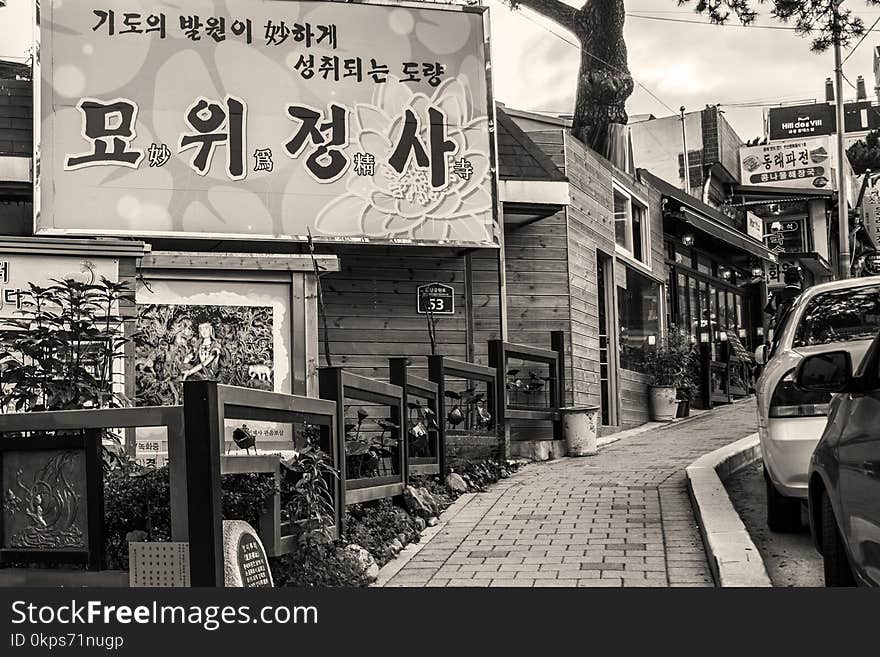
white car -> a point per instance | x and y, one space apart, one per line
828 317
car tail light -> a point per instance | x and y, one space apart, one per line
790 401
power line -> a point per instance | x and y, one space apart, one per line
860 41
597 58
694 22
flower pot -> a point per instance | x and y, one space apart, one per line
664 403
684 408
580 429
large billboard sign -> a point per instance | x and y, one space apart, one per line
267 119
818 119
801 163
800 121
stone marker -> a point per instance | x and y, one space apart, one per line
244 560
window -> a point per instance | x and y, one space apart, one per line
631 225
839 316
638 307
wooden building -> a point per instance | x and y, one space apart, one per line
602 274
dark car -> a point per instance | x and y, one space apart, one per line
844 474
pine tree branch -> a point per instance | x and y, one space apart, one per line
556 10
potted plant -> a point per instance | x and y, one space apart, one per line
667 366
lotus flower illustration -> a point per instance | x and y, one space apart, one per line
389 205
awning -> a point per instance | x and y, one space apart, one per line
728 235
705 218
812 261
787 193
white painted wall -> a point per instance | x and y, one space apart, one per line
657 144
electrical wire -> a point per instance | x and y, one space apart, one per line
695 22
864 36
596 57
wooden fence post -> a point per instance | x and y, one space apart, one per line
435 375
397 377
498 361
557 379
203 427
94 483
330 387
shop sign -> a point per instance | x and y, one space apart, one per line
266 120
436 298
785 236
754 225
872 263
18 271
805 163
800 121
818 119
871 210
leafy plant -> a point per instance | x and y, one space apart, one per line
60 352
307 485
670 362
318 564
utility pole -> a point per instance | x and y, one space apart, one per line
685 163
843 256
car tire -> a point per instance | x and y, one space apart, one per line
837 569
783 513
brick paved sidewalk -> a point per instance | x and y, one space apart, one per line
620 518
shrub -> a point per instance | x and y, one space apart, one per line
375 525
318 563
59 352
139 500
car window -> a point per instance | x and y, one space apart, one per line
839 316
780 329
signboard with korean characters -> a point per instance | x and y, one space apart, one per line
801 163
870 210
18 271
800 121
266 119
436 298
754 225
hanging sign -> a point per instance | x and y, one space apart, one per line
803 163
266 119
436 298
871 210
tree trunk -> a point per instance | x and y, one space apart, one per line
604 81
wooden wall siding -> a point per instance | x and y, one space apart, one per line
536 265
371 307
591 227
550 141
16 118
486 309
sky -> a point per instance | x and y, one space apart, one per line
692 64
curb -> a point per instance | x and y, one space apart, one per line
733 557
677 422
403 557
